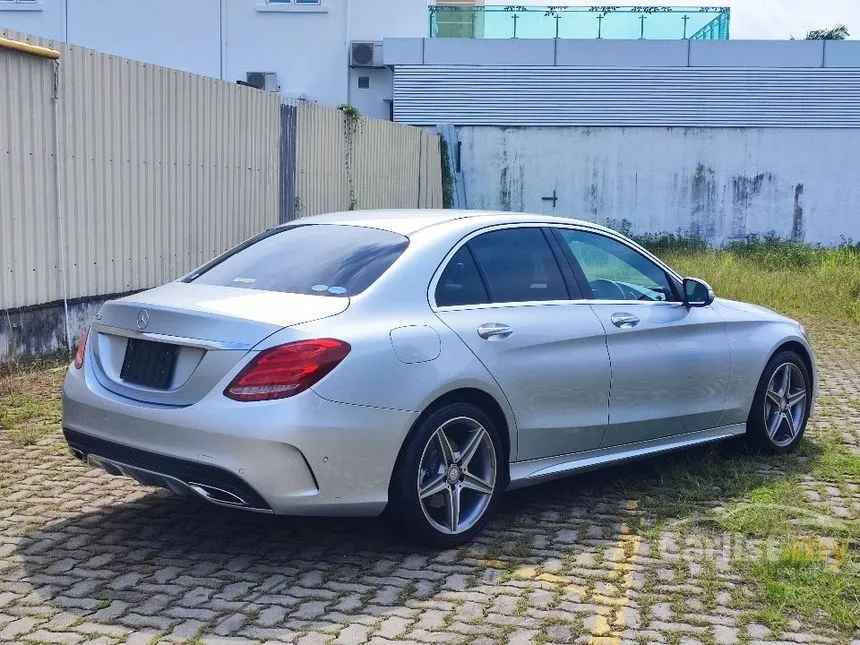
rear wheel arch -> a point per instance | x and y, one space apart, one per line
486 402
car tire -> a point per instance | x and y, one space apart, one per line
780 408
448 477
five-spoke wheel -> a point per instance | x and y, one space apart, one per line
781 405
457 475
448 476
785 404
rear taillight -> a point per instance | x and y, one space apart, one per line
82 348
286 370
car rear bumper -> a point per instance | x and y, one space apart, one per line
183 477
299 456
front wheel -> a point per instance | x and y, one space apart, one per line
448 477
781 405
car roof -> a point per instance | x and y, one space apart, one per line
409 221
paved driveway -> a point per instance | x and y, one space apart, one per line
610 557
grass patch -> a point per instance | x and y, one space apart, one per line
30 401
799 581
806 282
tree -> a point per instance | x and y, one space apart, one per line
839 32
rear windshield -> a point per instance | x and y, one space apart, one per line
317 259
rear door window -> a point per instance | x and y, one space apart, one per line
519 266
460 283
317 259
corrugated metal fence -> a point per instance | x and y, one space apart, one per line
350 162
117 175
288 163
120 175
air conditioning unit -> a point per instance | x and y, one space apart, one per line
365 54
267 81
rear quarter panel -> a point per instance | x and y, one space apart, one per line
373 374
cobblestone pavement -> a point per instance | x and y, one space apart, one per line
85 557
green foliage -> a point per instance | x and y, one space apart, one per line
800 581
350 111
353 119
671 242
809 282
839 32
447 175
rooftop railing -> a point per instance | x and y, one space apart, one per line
519 21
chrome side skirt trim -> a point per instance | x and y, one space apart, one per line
146 477
526 473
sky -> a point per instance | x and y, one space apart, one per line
761 19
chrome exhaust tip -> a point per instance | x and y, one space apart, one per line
217 495
78 454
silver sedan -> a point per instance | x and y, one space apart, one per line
418 364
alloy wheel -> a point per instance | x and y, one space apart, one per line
785 404
457 475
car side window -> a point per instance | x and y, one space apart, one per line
518 265
460 282
615 271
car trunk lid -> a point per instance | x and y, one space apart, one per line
171 345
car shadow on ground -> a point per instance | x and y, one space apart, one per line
165 547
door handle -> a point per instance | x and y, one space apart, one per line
624 321
494 330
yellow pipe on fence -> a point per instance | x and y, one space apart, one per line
27 48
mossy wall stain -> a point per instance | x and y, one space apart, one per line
744 192
703 215
504 190
797 228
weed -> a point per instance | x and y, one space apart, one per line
800 581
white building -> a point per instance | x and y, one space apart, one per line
306 43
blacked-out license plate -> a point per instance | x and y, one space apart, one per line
149 363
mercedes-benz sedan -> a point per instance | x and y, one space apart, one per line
418 364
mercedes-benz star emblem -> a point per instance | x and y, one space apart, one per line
142 319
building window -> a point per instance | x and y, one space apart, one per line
288 6
364 82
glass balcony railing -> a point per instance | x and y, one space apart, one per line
518 21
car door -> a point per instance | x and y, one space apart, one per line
670 362
504 293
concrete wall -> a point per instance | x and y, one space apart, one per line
722 183
305 45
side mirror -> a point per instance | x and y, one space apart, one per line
697 293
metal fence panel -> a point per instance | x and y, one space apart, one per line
430 178
139 173
321 177
288 163
28 216
159 171
350 162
